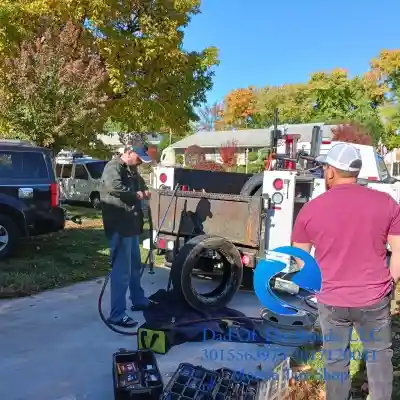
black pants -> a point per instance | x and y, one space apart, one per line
373 325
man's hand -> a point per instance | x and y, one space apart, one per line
147 194
140 195
302 246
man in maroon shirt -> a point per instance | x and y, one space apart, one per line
349 226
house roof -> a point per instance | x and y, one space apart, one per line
249 137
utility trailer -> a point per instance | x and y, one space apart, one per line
236 218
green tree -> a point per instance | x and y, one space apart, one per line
155 83
339 99
293 101
386 68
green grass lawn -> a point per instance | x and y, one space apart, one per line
78 253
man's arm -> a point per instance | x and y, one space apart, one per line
112 181
394 241
300 236
394 266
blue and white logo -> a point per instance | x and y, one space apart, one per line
308 279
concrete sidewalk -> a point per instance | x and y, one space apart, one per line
53 346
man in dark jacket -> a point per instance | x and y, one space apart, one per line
122 191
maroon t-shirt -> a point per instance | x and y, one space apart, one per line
348 226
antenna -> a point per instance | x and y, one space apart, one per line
276 134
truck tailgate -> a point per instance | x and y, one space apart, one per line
236 218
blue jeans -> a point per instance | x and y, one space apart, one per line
125 252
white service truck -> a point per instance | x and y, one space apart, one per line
284 193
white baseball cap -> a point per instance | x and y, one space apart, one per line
342 156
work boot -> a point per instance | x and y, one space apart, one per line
126 322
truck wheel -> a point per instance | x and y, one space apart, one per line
95 200
253 187
185 261
9 236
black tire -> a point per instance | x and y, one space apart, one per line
95 200
253 187
185 261
12 230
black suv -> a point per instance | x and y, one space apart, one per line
29 194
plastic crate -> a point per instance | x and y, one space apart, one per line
143 382
196 382
191 382
236 385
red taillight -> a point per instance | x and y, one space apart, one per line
372 178
163 178
55 195
162 244
278 184
326 142
245 259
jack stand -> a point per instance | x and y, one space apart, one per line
151 251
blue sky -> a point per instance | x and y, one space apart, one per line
272 42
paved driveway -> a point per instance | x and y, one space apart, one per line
53 346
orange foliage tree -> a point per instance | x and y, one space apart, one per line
239 107
351 133
228 152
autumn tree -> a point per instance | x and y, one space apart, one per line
154 81
152 152
351 133
240 108
54 90
228 154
